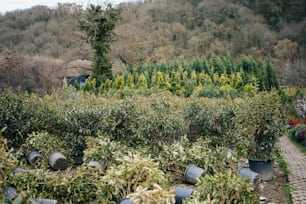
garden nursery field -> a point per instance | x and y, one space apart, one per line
152 102
145 144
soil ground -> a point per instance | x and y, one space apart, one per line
274 190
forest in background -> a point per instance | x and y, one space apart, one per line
41 45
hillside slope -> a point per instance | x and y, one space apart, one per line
168 29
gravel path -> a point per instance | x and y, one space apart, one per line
296 162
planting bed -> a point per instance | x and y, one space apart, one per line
143 145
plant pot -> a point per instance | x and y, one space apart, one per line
45 201
57 161
10 193
78 160
181 193
34 156
126 201
19 170
192 174
246 172
94 164
264 168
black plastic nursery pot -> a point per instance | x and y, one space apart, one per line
34 156
19 170
264 168
181 193
246 172
126 201
94 164
192 174
57 161
10 193
45 201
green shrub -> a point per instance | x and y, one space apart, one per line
189 87
210 118
120 121
176 157
17 116
161 122
22 114
212 159
104 150
210 91
298 132
78 123
85 121
45 144
223 187
71 186
259 123
133 172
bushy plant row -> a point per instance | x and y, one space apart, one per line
138 174
160 133
213 77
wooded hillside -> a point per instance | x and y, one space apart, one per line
158 30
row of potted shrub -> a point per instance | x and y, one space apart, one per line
174 131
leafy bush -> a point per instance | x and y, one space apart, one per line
22 114
298 132
73 186
17 116
259 123
210 118
45 144
120 121
177 156
85 121
223 187
212 159
160 121
133 172
104 150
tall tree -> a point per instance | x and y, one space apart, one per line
99 24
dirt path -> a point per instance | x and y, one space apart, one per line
296 162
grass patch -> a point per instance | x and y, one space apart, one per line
296 143
284 168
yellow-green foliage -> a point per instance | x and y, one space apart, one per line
142 81
119 82
225 76
132 172
177 156
104 150
155 195
223 187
